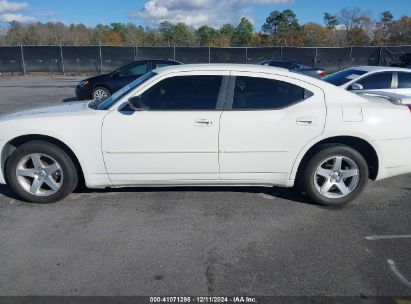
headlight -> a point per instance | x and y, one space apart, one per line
83 83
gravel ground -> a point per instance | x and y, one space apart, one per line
199 241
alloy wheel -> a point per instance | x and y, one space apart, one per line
39 174
100 94
336 177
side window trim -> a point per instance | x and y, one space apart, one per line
222 95
395 82
230 93
393 79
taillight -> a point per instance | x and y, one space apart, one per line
321 73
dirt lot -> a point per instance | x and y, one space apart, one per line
199 241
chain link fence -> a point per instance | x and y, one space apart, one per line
100 59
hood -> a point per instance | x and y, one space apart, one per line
66 108
98 77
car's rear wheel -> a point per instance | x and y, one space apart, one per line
40 172
100 93
335 175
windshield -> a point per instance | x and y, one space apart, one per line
344 76
109 101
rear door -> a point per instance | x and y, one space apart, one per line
268 121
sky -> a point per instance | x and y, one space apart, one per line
192 12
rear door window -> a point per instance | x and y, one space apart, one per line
261 93
377 81
275 64
162 64
404 80
135 69
290 65
341 77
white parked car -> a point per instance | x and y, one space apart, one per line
378 78
210 125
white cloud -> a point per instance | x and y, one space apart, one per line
16 17
9 11
7 7
48 14
198 12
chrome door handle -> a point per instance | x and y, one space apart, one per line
203 122
306 121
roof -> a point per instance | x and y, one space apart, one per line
221 67
372 68
252 68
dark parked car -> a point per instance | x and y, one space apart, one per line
295 66
102 86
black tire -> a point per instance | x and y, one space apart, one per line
102 89
68 169
324 152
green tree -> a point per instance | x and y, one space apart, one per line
227 30
166 31
135 34
176 34
121 30
384 28
207 36
243 33
182 35
280 22
330 21
15 34
283 26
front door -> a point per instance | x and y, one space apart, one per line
173 138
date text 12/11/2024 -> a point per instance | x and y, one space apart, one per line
240 299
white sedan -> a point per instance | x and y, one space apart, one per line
373 78
210 125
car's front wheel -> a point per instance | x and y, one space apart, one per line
41 172
335 175
100 93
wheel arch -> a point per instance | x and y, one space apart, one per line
101 85
14 143
367 150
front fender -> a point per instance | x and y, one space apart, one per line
82 135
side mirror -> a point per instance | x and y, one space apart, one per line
135 103
116 74
355 87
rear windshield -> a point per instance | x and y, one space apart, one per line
344 76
